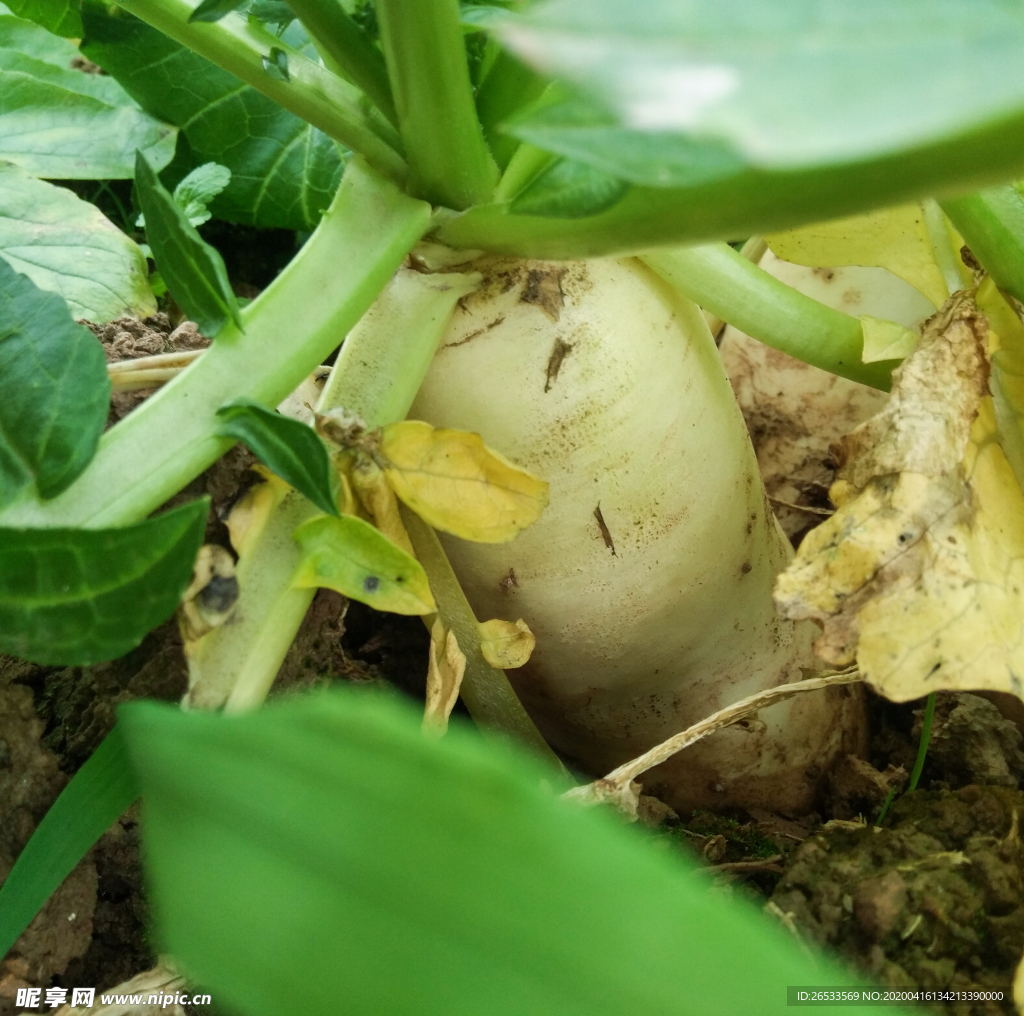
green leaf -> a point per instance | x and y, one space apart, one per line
196 190
321 855
272 12
54 391
67 246
579 128
58 122
786 85
568 189
58 16
214 10
350 556
193 270
286 447
73 597
283 172
91 802
276 64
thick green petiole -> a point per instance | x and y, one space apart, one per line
241 46
289 329
725 283
992 223
377 374
449 161
487 693
752 201
337 35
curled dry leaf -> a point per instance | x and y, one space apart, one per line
211 595
444 678
252 511
453 481
506 645
379 501
919 575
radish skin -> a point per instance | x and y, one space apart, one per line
647 581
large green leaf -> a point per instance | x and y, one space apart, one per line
97 794
286 447
193 270
68 246
58 122
322 856
58 16
76 596
54 391
283 172
786 83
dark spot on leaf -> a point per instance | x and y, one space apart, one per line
219 594
371 584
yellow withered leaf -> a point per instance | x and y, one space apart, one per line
506 644
898 239
453 481
444 679
919 575
379 502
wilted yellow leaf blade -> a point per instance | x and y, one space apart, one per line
893 238
506 645
886 340
444 679
453 481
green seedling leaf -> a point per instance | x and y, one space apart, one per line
403 874
72 597
193 270
272 12
276 64
283 172
290 449
91 802
58 122
196 190
568 190
785 85
349 556
214 10
54 391
67 246
60 17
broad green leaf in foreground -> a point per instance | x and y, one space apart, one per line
67 246
290 449
76 596
323 856
61 123
193 270
54 391
786 83
283 172
58 16
97 794
350 556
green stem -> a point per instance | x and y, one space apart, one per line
338 36
377 374
486 691
290 328
992 224
313 93
922 745
426 58
728 285
749 202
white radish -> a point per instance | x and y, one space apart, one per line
647 581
